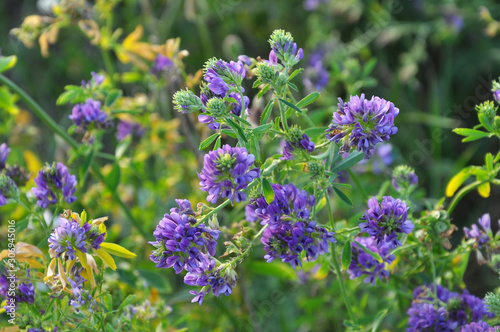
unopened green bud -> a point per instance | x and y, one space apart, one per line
185 101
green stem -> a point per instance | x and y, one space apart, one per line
108 64
357 181
433 270
336 262
283 118
464 191
71 142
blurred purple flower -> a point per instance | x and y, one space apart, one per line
316 76
4 153
482 236
129 128
89 115
160 63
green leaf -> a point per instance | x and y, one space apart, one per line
21 225
309 99
255 148
256 84
267 190
112 97
237 130
67 96
122 147
276 269
113 178
293 86
206 143
369 65
261 129
291 105
489 162
128 300
263 91
378 319
267 112
497 158
342 196
486 122
295 73
476 134
229 133
108 302
7 62
348 162
346 255
217 143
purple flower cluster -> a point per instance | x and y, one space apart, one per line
285 48
362 123
481 236
160 63
89 115
129 128
452 311
316 76
364 264
290 232
24 291
183 246
96 80
296 142
4 153
386 219
227 172
51 179
223 79
8 189
179 244
404 178
71 236
81 298
219 280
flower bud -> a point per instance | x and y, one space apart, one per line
185 101
404 179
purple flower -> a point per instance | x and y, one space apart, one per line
96 80
386 219
69 237
8 189
287 241
24 292
219 280
316 76
89 115
404 179
311 5
364 264
226 173
496 95
160 63
482 236
362 123
51 179
4 153
452 310
180 244
477 327
231 73
245 59
296 142
284 48
129 128
289 203
81 298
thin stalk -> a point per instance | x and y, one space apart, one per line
433 270
336 263
357 181
38 110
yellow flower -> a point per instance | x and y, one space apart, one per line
133 50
